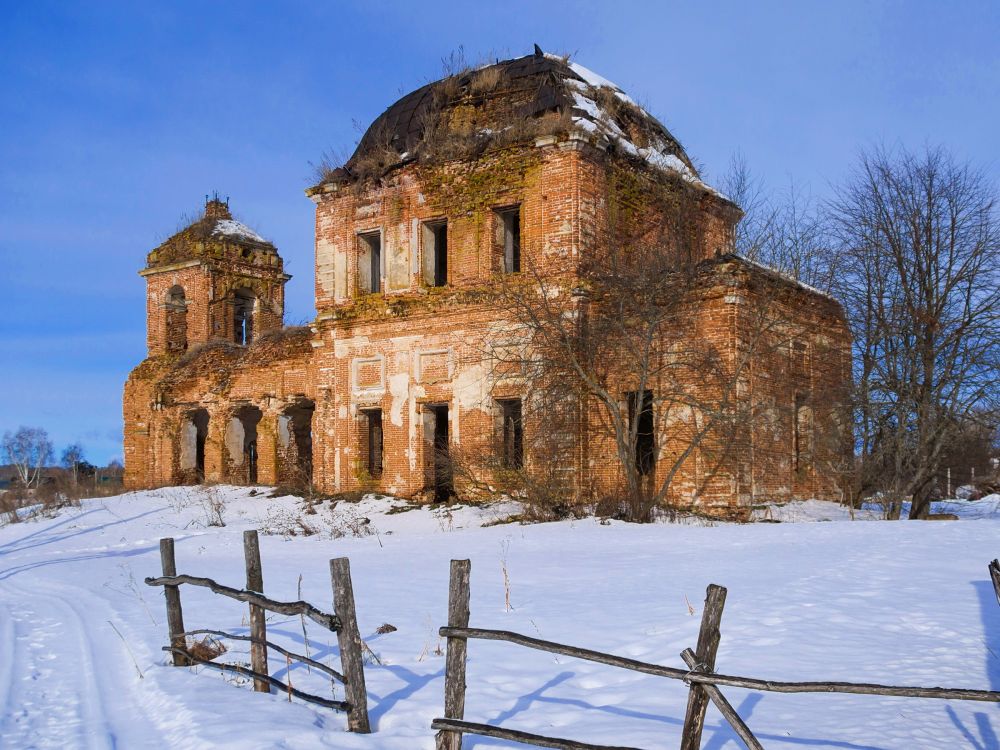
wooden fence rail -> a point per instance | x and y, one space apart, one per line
343 622
700 676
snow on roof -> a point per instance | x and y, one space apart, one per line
787 277
597 121
594 119
232 228
598 107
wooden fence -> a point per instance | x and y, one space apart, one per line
343 622
700 676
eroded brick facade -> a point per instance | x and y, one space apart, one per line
397 365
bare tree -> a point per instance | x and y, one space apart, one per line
754 236
28 450
615 345
783 230
919 240
71 459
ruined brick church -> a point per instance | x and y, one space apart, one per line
520 169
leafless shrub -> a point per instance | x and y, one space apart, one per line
195 351
369 656
329 162
9 505
485 80
544 491
281 334
347 521
214 505
455 64
287 523
207 648
504 549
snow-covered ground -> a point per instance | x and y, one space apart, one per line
894 602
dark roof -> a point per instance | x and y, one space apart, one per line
533 85
403 120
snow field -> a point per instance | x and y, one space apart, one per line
898 603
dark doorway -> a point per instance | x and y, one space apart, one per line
511 434
199 418
297 445
250 417
443 483
250 458
373 420
645 441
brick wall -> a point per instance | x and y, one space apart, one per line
413 346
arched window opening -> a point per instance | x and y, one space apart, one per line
194 434
176 319
244 303
295 441
241 442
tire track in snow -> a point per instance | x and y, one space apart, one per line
6 659
55 697
48 690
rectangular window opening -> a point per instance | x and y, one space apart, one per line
645 441
510 225
370 263
435 259
373 418
511 434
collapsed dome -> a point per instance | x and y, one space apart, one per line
511 101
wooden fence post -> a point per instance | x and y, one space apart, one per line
258 627
995 575
725 707
349 641
454 666
708 645
175 617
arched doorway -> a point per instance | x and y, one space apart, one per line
194 434
295 444
241 442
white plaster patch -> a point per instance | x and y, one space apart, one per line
470 387
326 267
284 435
399 387
414 250
342 347
189 445
340 274
235 436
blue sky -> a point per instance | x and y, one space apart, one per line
117 118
